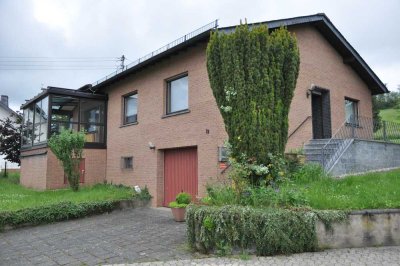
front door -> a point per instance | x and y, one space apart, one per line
321 114
180 173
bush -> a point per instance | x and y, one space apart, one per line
53 213
269 231
310 172
181 200
144 194
260 196
68 148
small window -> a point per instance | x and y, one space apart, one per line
351 109
130 108
177 95
223 154
127 162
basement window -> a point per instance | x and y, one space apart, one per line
127 162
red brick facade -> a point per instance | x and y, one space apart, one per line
202 126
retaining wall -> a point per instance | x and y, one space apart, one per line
366 155
366 228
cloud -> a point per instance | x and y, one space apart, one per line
105 28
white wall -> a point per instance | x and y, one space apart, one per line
4 114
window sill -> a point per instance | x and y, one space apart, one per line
176 113
130 124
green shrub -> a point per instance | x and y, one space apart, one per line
310 172
257 196
183 198
68 148
269 231
253 74
53 213
144 194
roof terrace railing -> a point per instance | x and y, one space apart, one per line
209 26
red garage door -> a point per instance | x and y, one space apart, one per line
180 173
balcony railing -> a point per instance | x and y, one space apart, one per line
205 28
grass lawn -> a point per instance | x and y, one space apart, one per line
392 115
370 191
15 197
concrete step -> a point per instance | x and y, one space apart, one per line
309 149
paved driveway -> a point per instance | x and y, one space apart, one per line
140 235
134 235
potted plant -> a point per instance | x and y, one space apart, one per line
178 207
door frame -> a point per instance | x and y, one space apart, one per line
163 202
326 117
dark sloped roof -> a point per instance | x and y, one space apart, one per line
320 21
8 109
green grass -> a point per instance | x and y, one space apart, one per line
368 191
392 115
15 197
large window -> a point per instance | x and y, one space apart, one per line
63 112
351 109
177 95
130 108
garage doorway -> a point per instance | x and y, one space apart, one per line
180 173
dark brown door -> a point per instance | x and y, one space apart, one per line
180 173
81 171
321 114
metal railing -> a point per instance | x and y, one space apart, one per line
364 128
208 27
299 126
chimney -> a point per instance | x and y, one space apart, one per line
4 100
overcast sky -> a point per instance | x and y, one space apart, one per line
104 30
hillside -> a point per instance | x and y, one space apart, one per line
392 115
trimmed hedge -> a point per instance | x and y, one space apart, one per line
54 213
269 231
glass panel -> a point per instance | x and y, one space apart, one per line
93 133
37 121
131 109
178 93
57 127
92 111
351 111
64 108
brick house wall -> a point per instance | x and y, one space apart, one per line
41 169
320 64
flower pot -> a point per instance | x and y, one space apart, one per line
179 214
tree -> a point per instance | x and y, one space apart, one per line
253 75
10 138
68 148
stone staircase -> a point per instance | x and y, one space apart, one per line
325 151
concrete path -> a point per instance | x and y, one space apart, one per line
147 235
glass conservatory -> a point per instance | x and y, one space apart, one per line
56 109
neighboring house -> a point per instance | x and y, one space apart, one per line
6 111
156 123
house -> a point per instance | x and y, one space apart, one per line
6 112
156 123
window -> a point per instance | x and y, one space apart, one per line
351 109
92 120
223 154
130 108
127 162
177 95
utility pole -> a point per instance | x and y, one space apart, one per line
122 66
